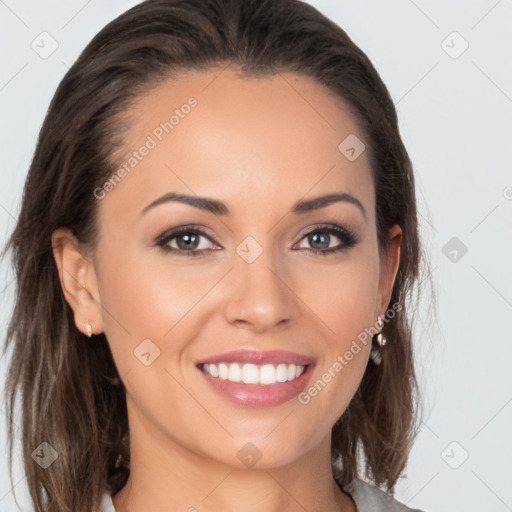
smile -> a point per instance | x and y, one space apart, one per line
256 378
265 375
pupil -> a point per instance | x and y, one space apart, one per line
321 238
188 241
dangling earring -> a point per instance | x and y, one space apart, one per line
378 341
88 328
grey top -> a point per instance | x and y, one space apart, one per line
369 498
366 497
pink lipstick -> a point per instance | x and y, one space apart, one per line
257 378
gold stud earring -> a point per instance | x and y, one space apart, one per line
88 328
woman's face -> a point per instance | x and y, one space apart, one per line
248 287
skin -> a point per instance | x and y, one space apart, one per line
258 145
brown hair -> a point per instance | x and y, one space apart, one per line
71 393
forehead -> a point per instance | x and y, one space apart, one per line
216 133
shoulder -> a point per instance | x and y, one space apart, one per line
369 498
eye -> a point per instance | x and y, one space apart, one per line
320 239
184 241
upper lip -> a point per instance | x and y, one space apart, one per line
258 357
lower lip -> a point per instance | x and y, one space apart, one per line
256 395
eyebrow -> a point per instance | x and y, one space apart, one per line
220 208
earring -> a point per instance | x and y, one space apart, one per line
88 328
375 355
381 340
378 342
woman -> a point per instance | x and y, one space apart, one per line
214 258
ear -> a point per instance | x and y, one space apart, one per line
390 260
78 280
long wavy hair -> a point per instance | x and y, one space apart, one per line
72 396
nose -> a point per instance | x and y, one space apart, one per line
260 296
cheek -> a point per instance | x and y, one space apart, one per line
145 298
342 296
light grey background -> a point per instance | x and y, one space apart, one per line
455 111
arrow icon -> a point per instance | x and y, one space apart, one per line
146 352
351 147
454 249
45 455
44 45
249 455
249 253
454 45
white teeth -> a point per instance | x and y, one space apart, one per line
268 374
235 374
291 372
282 373
223 371
250 374
265 375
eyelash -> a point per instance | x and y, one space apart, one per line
347 236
